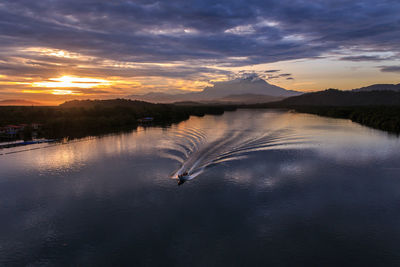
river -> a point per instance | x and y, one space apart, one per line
264 187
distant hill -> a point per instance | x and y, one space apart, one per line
19 102
379 87
334 97
249 99
187 103
246 90
105 103
156 97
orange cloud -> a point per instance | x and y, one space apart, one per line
72 82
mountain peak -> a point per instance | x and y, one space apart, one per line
247 85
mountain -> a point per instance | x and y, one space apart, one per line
249 88
19 102
250 85
379 87
108 103
163 97
334 97
249 99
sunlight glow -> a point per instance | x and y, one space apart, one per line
52 52
71 81
64 92
53 92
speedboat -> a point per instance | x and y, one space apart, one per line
182 177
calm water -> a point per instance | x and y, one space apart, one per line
265 188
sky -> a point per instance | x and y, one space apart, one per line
53 50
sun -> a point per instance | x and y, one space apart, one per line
72 82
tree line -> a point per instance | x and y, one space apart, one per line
92 117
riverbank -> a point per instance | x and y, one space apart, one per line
376 109
385 118
76 119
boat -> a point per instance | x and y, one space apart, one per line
182 177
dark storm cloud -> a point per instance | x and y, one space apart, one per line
230 33
390 69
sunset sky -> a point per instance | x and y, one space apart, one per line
51 51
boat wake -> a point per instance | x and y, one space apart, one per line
197 151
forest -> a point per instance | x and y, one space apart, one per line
81 118
376 109
385 118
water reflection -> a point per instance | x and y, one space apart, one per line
199 154
277 188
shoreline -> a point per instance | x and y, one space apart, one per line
122 115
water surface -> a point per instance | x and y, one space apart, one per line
265 188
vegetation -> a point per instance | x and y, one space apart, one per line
385 118
82 118
377 109
74 119
333 97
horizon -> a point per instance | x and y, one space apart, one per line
54 52
24 102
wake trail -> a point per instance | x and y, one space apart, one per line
196 151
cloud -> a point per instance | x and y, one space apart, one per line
363 58
390 68
190 40
259 31
262 74
271 71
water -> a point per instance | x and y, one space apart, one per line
264 188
